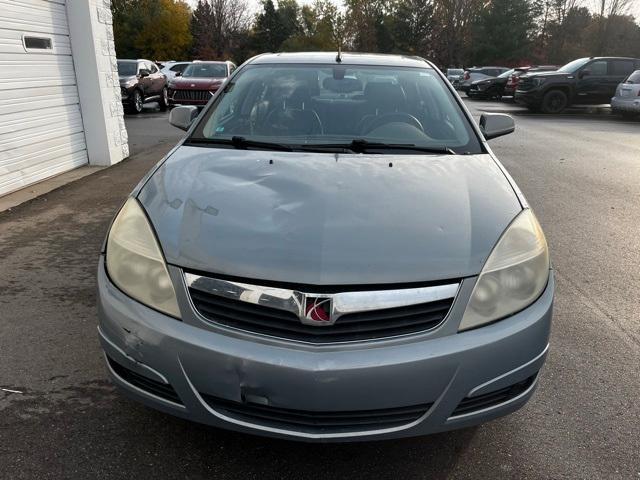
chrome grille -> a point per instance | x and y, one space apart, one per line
192 95
353 316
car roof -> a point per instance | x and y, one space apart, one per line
607 58
348 58
131 60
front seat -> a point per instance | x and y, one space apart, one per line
295 117
382 98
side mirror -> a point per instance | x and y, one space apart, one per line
144 73
494 125
183 117
178 74
585 73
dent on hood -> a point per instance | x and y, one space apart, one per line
321 219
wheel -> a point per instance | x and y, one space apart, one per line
164 100
495 94
628 115
135 106
554 101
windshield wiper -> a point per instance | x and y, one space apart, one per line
241 143
360 145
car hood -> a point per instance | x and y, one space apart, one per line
125 79
325 219
547 74
195 83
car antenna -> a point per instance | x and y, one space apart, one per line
339 56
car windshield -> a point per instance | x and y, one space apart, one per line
634 77
206 70
571 67
307 105
507 73
127 69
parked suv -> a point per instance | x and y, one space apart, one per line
583 81
480 73
454 75
141 82
198 83
170 69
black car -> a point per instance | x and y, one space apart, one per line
141 82
492 87
585 81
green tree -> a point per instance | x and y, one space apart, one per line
504 32
369 21
274 25
320 29
412 27
154 29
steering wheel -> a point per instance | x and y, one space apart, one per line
393 118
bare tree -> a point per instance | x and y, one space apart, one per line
454 18
220 22
606 11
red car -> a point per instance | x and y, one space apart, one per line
198 83
514 79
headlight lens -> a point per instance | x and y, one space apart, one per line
514 275
135 262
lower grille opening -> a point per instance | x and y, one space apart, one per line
487 400
153 387
317 422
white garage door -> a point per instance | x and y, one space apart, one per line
41 132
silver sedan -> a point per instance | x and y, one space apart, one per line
627 99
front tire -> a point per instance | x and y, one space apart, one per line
164 100
135 107
554 101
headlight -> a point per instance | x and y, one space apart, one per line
135 262
514 276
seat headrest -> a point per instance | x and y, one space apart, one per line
385 96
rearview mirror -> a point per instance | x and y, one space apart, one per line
494 125
183 117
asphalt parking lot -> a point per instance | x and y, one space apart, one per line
61 418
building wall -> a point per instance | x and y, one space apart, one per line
60 105
41 129
90 24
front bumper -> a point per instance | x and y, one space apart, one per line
625 104
529 98
438 368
